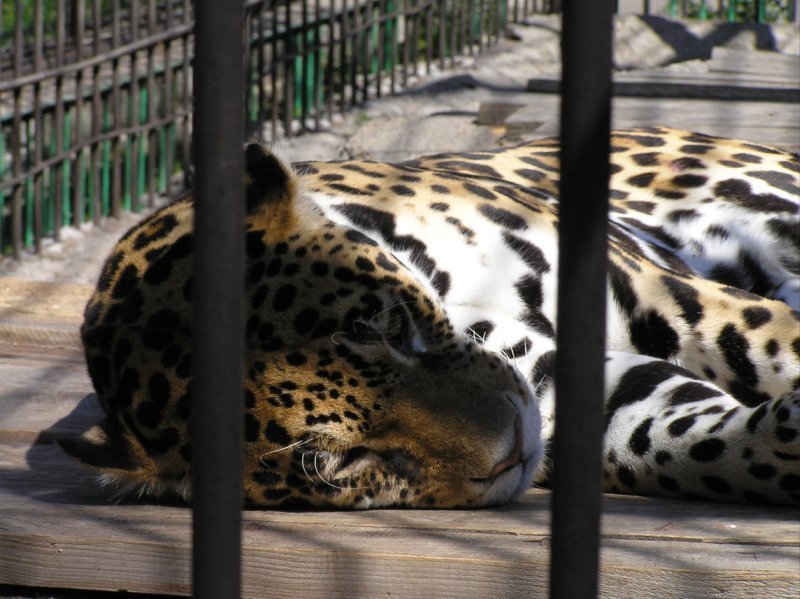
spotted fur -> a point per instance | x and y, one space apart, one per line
400 330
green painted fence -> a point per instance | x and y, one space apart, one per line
96 100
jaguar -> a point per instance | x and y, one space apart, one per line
400 329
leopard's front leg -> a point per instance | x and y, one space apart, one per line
670 433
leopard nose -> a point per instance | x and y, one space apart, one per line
516 455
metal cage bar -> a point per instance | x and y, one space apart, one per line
585 123
218 291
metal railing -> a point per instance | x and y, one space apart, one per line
756 11
217 320
91 112
331 55
96 95
581 312
218 306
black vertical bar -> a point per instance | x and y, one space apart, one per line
38 131
393 50
77 143
481 17
217 402
134 99
428 37
412 35
463 12
442 33
318 81
406 43
344 35
168 108
381 46
330 77
116 110
150 133
97 24
59 121
250 78
95 153
585 121
352 66
289 54
17 225
305 68
366 49
451 18
186 97
261 63
273 66
355 48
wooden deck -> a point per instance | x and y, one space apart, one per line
57 529
749 95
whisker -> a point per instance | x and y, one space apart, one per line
303 465
386 309
475 337
528 375
302 442
501 352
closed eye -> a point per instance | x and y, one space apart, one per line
402 335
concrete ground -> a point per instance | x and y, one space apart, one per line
483 103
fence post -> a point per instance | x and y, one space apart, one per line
217 403
585 120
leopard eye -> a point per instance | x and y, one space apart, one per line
364 331
401 333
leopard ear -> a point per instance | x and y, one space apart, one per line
269 181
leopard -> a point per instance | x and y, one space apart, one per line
400 330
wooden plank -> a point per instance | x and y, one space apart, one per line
496 113
729 75
26 302
42 469
42 369
34 416
52 536
39 314
657 85
755 63
767 123
58 529
770 123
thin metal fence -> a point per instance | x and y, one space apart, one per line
310 60
90 112
757 11
96 95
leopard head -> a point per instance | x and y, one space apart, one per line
358 391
